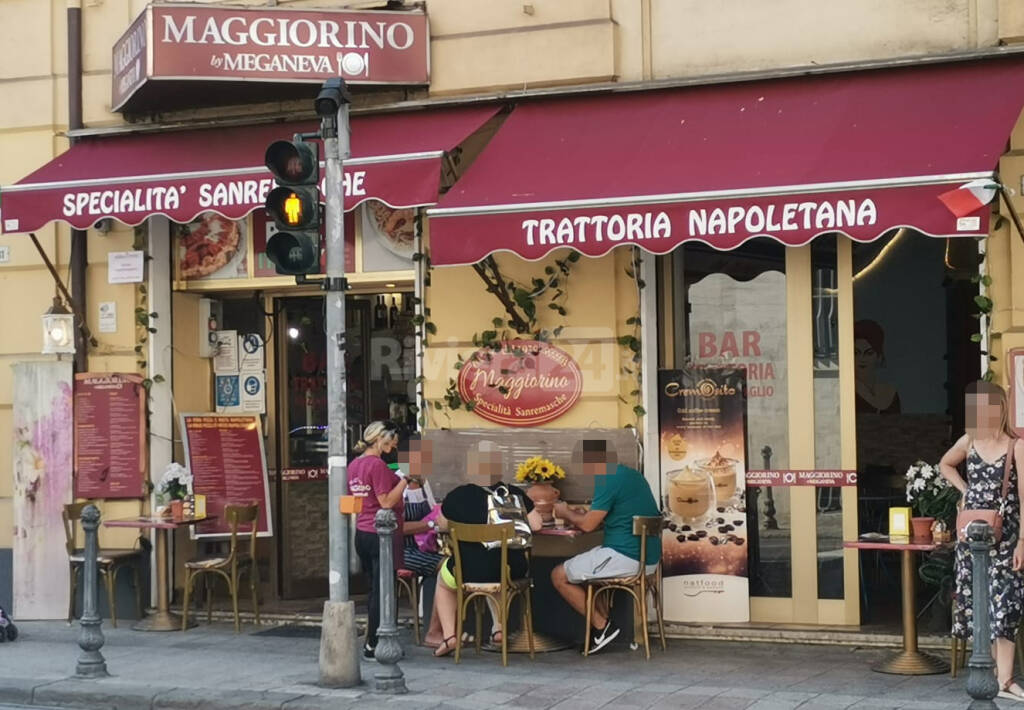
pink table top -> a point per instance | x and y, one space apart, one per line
148 521
895 546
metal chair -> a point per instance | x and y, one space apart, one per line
502 592
637 586
110 561
409 581
237 562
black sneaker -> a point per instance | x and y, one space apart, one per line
369 651
600 639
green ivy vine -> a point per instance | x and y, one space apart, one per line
632 347
985 306
522 303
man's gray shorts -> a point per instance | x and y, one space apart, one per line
601 563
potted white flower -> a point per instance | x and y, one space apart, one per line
931 497
175 484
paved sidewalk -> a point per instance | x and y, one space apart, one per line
212 668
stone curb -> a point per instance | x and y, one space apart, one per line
110 694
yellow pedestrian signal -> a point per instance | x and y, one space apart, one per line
293 209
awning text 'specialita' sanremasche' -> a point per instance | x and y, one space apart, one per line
396 158
858 153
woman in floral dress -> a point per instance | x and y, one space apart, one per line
984 447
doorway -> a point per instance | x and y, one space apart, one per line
380 365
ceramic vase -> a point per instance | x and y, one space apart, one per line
544 496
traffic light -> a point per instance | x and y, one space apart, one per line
294 205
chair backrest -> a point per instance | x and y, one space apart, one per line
646 526
72 514
239 515
468 532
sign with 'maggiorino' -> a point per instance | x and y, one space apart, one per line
525 383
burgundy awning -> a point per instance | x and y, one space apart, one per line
396 158
858 153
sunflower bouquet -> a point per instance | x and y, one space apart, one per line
537 469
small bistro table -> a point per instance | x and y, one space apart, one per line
163 619
909 661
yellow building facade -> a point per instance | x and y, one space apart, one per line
496 53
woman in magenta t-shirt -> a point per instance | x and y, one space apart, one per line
370 478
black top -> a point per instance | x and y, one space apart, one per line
468 504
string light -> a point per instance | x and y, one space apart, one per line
880 255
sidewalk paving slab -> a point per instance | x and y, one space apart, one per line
210 667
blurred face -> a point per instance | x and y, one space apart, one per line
593 460
419 457
984 413
865 358
485 465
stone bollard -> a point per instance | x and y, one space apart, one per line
981 681
91 663
389 679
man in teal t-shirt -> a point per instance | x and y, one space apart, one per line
620 493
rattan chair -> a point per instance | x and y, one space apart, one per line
237 562
409 582
502 592
110 561
637 586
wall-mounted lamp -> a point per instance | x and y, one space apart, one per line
58 329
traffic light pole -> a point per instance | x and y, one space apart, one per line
339 655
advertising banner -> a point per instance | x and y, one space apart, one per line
110 435
702 410
225 456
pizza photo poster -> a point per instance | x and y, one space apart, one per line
702 416
389 236
211 247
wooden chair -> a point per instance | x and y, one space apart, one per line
502 593
409 581
110 561
637 585
237 562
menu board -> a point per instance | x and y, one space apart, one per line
110 435
224 453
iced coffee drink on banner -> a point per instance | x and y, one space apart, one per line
723 472
691 494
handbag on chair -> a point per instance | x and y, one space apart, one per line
503 506
993 518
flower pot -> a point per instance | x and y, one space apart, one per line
921 529
544 497
177 510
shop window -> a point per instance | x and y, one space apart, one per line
730 309
827 425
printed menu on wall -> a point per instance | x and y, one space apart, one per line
702 414
110 435
224 453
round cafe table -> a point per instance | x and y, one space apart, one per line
909 661
163 619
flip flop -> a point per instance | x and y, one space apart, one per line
1012 691
445 647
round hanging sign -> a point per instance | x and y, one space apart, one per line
525 383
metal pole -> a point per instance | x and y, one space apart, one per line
981 681
390 678
339 659
91 663
336 148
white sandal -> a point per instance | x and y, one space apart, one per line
1011 691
